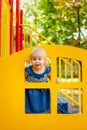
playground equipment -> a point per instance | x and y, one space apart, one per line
4 28
68 97
12 97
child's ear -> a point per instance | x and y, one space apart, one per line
45 60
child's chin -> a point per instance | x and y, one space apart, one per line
38 67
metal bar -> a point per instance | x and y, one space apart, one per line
69 98
60 73
66 61
21 29
38 33
11 26
37 39
17 26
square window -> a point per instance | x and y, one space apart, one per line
37 101
69 101
69 70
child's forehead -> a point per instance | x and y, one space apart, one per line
38 53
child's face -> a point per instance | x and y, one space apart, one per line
38 61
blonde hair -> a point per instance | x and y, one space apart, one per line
38 50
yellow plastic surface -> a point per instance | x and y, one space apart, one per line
5 29
12 93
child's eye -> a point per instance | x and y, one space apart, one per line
34 59
39 58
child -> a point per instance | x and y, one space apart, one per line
37 100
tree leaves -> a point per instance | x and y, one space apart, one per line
62 21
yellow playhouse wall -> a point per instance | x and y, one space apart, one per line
12 93
5 29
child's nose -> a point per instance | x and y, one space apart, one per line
37 60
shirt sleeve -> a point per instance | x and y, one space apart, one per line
27 70
48 69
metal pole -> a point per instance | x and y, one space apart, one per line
17 26
21 30
11 26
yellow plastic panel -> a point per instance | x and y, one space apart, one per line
12 93
5 39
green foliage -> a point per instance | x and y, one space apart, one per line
63 22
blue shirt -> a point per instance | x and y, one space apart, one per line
37 100
33 77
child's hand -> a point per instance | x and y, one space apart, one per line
57 80
26 82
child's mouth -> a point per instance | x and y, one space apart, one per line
38 65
